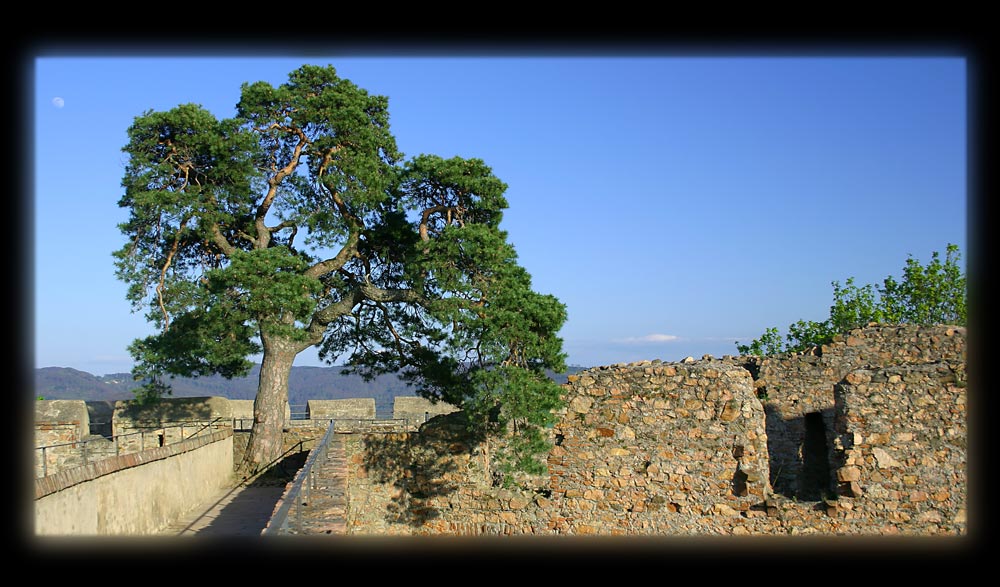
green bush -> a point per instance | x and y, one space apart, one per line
928 294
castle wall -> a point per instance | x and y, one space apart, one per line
134 494
793 386
641 449
657 448
356 409
864 436
902 446
417 410
60 425
140 426
101 413
242 412
436 481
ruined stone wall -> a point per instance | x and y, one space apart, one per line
796 388
866 435
657 448
436 481
901 448
643 449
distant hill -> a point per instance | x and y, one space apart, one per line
304 384
67 383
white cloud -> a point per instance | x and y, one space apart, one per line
649 338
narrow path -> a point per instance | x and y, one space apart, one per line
234 511
245 510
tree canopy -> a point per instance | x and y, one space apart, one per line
931 294
298 224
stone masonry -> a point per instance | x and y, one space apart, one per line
869 437
901 447
60 425
797 389
864 436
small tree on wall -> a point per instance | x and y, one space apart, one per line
927 294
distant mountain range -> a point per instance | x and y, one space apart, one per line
304 384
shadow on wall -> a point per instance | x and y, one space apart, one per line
799 451
281 471
423 467
815 483
175 409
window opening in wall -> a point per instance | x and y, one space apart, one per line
739 477
814 481
739 483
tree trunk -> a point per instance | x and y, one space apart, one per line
266 438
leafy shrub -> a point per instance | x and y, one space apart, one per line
931 294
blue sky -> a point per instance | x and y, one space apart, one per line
674 204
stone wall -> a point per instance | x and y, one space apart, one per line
59 426
436 481
134 494
643 449
140 426
242 412
298 438
101 413
417 410
864 436
901 447
869 434
798 389
356 409
656 448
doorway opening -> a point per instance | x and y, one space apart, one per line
814 480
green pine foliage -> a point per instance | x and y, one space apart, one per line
927 294
298 224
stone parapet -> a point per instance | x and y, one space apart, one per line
871 429
134 494
60 425
417 410
336 409
166 421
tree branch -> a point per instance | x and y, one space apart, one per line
163 274
282 226
220 240
448 210
331 265
356 295
392 329
263 234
